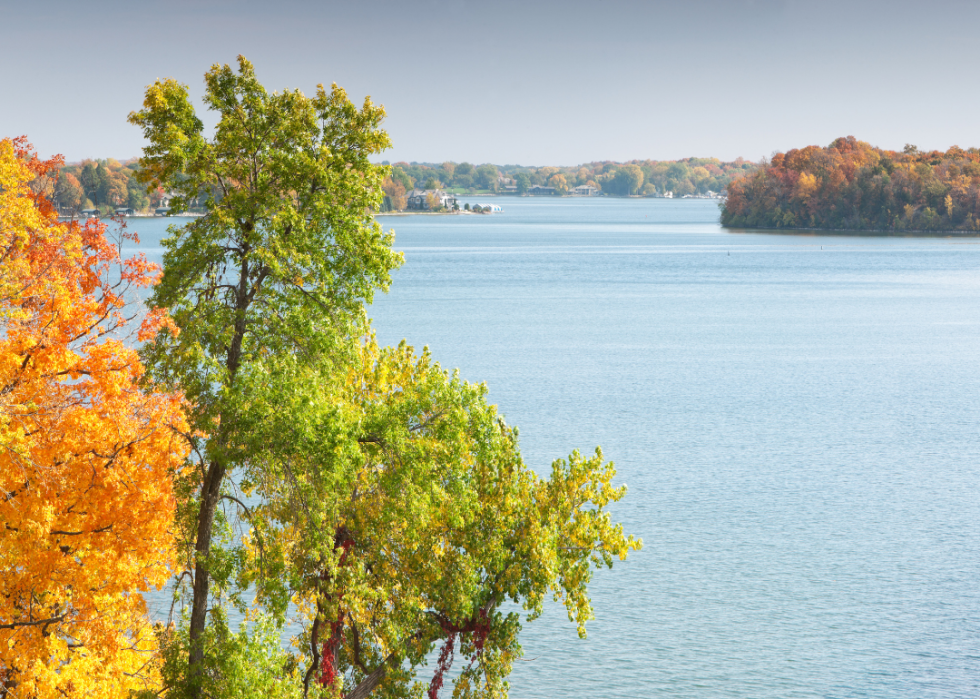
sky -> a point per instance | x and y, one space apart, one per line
530 83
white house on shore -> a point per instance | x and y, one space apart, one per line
584 190
418 199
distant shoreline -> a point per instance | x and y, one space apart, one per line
427 213
868 232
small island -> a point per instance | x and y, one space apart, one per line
853 186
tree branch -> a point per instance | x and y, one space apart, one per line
369 683
39 622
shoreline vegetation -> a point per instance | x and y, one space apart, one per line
859 233
106 187
851 186
689 177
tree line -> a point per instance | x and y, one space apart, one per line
103 185
260 453
637 177
107 184
853 185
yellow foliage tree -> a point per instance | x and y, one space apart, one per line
559 183
86 455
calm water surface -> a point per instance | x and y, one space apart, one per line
796 418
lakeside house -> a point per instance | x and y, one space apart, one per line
418 199
584 190
506 185
125 211
539 190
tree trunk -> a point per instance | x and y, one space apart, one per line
210 494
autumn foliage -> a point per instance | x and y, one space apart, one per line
86 454
852 185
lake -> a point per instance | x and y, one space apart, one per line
796 418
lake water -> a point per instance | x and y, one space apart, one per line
796 418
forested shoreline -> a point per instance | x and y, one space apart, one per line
687 176
106 184
851 185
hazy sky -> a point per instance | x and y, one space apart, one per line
528 82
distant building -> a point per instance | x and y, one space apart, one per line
418 199
124 211
537 191
89 213
584 190
492 208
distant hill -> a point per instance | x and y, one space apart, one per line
853 185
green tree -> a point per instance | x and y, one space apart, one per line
277 271
400 176
136 195
630 179
103 184
90 181
386 498
406 518
523 182
486 177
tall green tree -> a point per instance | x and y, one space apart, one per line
383 496
136 196
90 182
279 267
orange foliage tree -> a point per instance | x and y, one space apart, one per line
87 455
853 185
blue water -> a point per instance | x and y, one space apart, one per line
796 418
